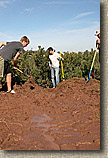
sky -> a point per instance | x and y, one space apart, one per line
65 25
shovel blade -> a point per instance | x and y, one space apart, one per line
32 80
89 76
88 80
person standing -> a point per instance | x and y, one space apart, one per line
10 50
98 41
98 47
54 66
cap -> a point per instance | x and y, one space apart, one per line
97 32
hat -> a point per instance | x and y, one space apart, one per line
97 32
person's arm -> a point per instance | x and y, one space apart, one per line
50 63
2 44
97 42
15 58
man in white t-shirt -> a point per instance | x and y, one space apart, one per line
54 65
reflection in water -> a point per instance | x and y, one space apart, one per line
41 129
41 119
42 123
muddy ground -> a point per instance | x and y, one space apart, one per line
64 118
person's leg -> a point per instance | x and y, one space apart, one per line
1 70
57 75
7 71
1 66
8 80
52 77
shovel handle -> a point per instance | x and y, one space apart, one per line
92 64
17 69
62 67
94 58
20 71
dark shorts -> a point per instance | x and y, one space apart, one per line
7 68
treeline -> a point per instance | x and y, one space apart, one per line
36 63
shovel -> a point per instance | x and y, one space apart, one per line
62 68
92 64
31 78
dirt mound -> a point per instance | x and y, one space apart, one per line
64 118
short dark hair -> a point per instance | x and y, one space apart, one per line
25 38
50 49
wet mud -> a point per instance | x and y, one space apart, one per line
64 118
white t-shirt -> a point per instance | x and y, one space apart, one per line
54 60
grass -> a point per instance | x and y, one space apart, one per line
95 106
98 115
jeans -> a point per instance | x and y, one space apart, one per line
55 75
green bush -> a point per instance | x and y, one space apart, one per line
36 63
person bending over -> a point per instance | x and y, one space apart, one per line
10 50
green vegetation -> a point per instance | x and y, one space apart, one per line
98 115
36 63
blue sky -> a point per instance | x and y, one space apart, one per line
66 25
